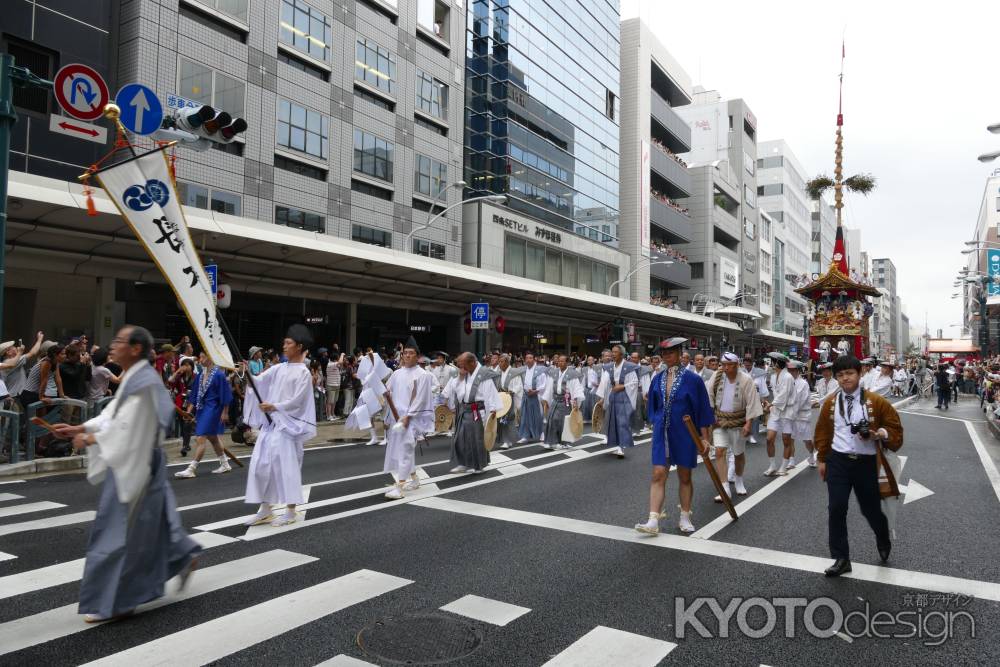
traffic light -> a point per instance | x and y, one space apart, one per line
199 127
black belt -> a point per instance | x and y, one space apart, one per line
853 457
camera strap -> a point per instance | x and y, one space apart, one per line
840 406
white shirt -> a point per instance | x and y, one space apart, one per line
844 441
880 384
728 395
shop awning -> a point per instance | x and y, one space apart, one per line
951 346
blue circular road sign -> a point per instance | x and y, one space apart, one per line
141 111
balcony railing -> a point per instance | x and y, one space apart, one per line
671 171
679 131
677 274
670 219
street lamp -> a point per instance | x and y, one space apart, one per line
649 262
493 198
989 157
994 128
430 211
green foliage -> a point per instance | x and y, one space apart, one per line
860 183
817 186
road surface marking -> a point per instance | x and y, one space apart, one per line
4 556
984 590
486 610
345 661
9 496
278 511
606 646
51 522
933 416
64 573
28 508
13 481
225 635
914 490
723 520
987 460
63 621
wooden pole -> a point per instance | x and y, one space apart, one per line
710 465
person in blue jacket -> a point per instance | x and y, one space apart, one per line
210 396
673 393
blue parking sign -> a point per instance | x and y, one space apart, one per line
212 271
480 316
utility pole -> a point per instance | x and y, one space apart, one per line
9 75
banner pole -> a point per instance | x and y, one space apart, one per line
238 357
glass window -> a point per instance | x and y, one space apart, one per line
429 176
375 65
513 261
770 189
199 196
225 202
535 262
302 129
372 236
281 162
373 156
433 15
293 217
432 96
748 196
428 249
234 8
205 85
569 263
306 29
584 275
553 267
697 270
193 195
599 279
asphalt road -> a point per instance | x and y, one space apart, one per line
544 541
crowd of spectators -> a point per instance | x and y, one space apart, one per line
667 250
665 302
660 197
663 147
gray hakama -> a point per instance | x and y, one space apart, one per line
639 414
618 420
468 448
507 428
531 427
557 417
134 549
589 400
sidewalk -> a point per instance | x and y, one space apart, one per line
327 433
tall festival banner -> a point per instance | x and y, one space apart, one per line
143 191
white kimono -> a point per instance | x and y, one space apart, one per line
880 384
646 380
514 385
609 380
783 405
410 392
275 474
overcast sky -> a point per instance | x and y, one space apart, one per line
920 87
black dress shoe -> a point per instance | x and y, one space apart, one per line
883 552
839 567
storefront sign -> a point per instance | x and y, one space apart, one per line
644 188
419 328
728 277
592 339
749 261
541 232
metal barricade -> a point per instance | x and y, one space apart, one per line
98 406
68 410
10 433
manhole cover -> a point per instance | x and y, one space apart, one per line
419 639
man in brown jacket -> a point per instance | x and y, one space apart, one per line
850 421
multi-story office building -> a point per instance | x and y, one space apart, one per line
654 179
884 276
771 263
724 249
852 244
781 192
824 234
541 113
984 260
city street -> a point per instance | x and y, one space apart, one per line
532 562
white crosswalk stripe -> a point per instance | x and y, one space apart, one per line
4 497
606 646
228 634
63 573
28 508
345 661
51 522
63 621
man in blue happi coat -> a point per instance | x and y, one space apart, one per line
673 393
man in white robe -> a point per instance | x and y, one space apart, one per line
881 384
137 542
783 412
409 394
373 372
275 474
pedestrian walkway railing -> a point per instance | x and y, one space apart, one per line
98 406
65 410
10 433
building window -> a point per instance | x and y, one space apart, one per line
432 96
765 262
697 270
375 65
199 196
205 85
770 189
428 249
305 29
430 177
433 15
371 236
40 62
293 217
770 162
308 170
371 190
765 229
748 196
536 262
302 129
610 104
303 66
237 9
373 156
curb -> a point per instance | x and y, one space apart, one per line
22 468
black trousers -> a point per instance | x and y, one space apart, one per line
843 474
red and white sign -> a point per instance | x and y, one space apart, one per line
78 129
224 296
644 195
80 91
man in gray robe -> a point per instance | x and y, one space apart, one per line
566 393
137 542
474 398
534 384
